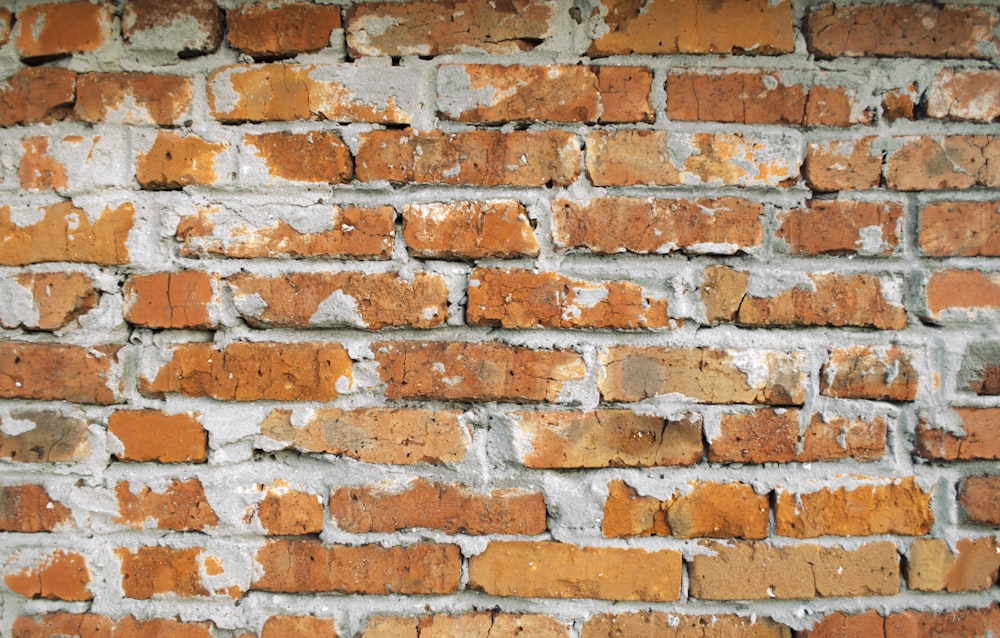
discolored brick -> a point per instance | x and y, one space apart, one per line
37 94
267 32
46 31
948 162
761 436
39 171
174 162
960 229
150 571
132 98
316 156
469 230
182 28
972 95
59 576
99 240
49 371
283 626
842 227
180 299
979 497
181 507
880 373
43 436
962 294
47 301
842 165
670 625
286 512
977 439
29 509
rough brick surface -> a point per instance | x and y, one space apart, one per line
98 240
28 508
298 627
473 625
842 165
37 94
132 98
959 622
978 437
956 228
149 571
307 157
182 28
965 95
954 161
866 372
284 512
48 301
842 227
43 436
46 31
170 300
59 372
980 498
180 507
151 435
59 576
267 33
657 623
175 161
469 230
965 293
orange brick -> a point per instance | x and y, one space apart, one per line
6 20
402 436
328 300
960 229
44 436
474 372
702 374
316 156
952 161
149 571
690 26
99 241
47 301
761 436
972 95
655 623
266 32
149 25
556 570
28 508
475 158
253 372
480 624
132 98
180 507
174 162
962 294
152 435
47 31
973 566
869 372
285 512
625 94
909 624
979 497
901 103
469 230
830 438
298 626
180 299
59 576
607 438
39 171
305 566
979 438
842 227
842 165
52 372
95 626
38 94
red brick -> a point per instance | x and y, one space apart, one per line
704 375
556 570
298 627
59 576
690 26
654 623
479 158
979 497
184 28
909 624
527 299
67 233
287 512
457 371
180 507
971 95
39 171
28 508
252 372
960 229
609 225
47 301
38 94
481 624
94 626
431 27
949 162
869 372
452 509
978 438
53 372
760 436
329 300
910 30
625 94
795 571
46 31
265 32
43 436
362 233
606 438
152 435
149 571
174 162
181 299
316 156
842 227
469 230
842 165
966 294
132 98
644 157
306 566
402 436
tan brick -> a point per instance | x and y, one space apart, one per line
880 373
181 507
298 626
316 156
47 301
132 98
842 165
760 436
29 509
972 95
953 161
669 625
979 497
480 624
704 375
174 162
149 571
58 576
304 566
46 31
287 512
328 300
181 299
555 570
43 436
978 439
927 564
689 26
909 30
967 294
455 371
149 26
37 94
98 241
452 509
607 438
479 158
432 27
960 229
52 372
267 32
252 371
469 230
39 171
842 227
402 436
152 435
796 571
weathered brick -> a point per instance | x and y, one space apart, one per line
927 564
979 497
932 566
287 512
132 98
95 626
174 162
960 229
690 26
761 436
58 576
316 156
181 299
708 510
909 624
528 299
6 21
469 230
909 30
481 624
46 301
181 507
46 31
978 438
901 103
899 507
479 158
880 373
704 375
431 27
795 571
669 625
329 300
152 435
298 627
452 509
608 225
363 233
286 92
28 508
182 28
149 571
402 436
253 371
842 227
304 566
43 436
625 94
971 95
831 438
39 171
842 165
606 438
454 371
962 294
980 371
101 240
556 570
37 94
52 372
952 161
265 32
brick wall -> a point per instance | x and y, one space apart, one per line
578 318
